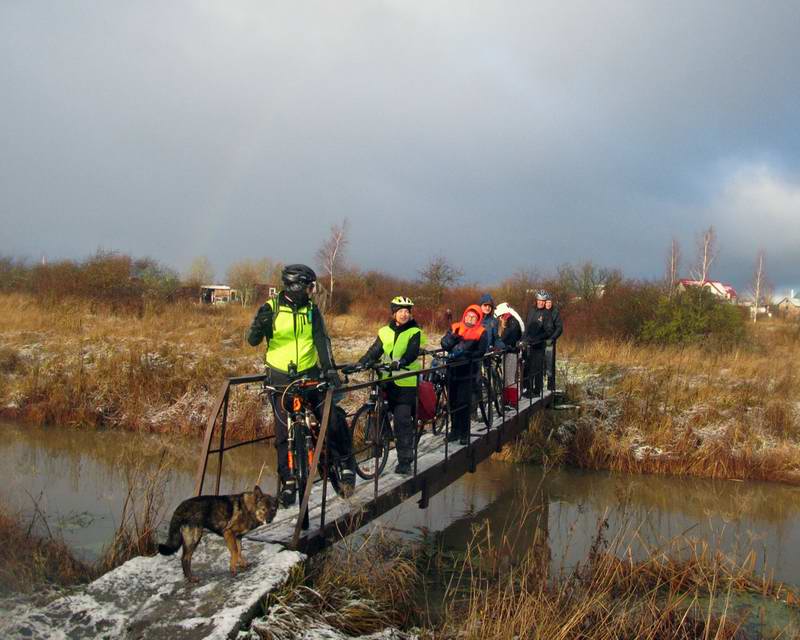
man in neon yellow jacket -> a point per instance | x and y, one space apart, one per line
398 345
298 344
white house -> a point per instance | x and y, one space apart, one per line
720 289
789 306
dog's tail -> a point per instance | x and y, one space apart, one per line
174 539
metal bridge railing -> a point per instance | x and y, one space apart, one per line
532 361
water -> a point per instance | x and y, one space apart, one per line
79 480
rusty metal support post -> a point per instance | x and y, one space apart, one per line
417 431
312 472
448 423
212 419
378 436
325 469
222 427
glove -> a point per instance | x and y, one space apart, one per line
449 340
333 377
264 316
395 365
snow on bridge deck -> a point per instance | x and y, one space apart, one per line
147 597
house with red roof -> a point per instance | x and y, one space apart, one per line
720 289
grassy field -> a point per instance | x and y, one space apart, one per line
73 366
731 413
717 413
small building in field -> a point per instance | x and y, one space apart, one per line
720 289
218 294
789 307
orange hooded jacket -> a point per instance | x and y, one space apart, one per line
469 333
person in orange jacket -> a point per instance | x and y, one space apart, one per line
466 343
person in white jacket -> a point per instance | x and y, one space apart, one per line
511 327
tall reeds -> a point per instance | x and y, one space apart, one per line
682 590
713 413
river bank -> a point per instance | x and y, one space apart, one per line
642 409
686 411
72 365
757 524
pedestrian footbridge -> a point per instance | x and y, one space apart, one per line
147 597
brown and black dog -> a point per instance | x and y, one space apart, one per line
228 516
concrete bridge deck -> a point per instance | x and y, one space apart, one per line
147 597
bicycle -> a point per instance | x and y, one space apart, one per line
490 393
303 430
439 380
370 442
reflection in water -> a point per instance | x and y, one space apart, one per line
732 516
80 476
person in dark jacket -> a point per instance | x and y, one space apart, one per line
538 327
511 326
398 345
466 343
550 344
298 344
489 322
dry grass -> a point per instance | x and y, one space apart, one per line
537 445
722 414
681 591
69 364
358 587
142 512
72 366
32 556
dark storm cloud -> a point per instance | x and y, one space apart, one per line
501 135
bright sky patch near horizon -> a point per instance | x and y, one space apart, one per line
501 135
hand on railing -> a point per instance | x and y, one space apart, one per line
358 367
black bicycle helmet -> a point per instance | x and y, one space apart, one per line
298 274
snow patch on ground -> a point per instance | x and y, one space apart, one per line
148 597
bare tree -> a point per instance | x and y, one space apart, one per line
200 272
673 265
587 281
330 255
437 276
759 288
706 254
246 275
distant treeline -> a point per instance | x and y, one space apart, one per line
594 302
119 282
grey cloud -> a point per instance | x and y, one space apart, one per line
501 135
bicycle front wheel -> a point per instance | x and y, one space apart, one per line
485 402
370 442
441 417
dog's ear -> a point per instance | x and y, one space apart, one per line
257 491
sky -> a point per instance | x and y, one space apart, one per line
501 135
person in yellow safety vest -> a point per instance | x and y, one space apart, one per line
298 344
398 345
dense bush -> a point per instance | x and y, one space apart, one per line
692 316
116 281
620 312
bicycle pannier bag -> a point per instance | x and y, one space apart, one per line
426 401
